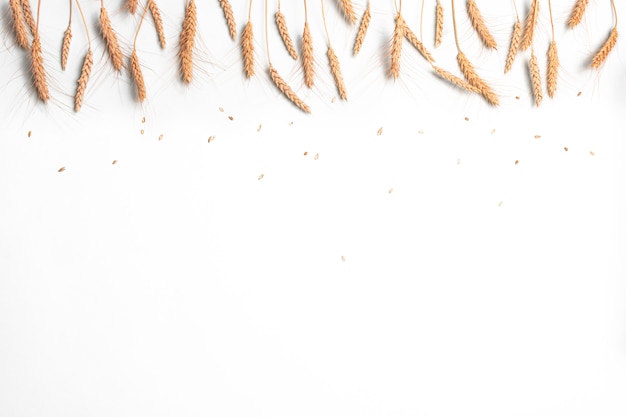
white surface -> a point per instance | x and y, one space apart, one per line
177 283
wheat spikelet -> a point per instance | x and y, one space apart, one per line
307 57
479 25
455 80
281 24
516 37
474 79
287 91
247 50
187 40
529 25
413 40
438 24
348 10
21 37
553 68
600 57
39 74
158 22
110 38
131 5
135 72
535 78
365 23
396 46
65 50
82 80
577 13
28 16
335 69
230 18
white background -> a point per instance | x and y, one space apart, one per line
176 282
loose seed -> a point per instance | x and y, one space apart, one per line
317 156
211 139
142 131
143 120
231 117
258 129
114 162
566 149
579 93
380 131
537 136
261 177
222 109
516 162
61 169
592 153
30 133
160 137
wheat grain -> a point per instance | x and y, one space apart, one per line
187 41
413 40
438 24
348 10
396 46
529 25
158 22
131 5
247 50
110 38
137 75
577 13
307 57
553 68
514 48
39 74
21 37
479 24
460 82
474 79
65 50
287 91
28 16
230 18
535 78
604 51
335 69
363 26
281 24
82 80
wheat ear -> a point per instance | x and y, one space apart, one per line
65 50
535 78
287 91
460 82
396 46
230 18
413 40
82 80
474 79
39 74
281 24
307 56
335 69
348 10
110 38
21 36
577 13
529 25
135 71
438 24
131 5
158 22
247 50
600 57
479 24
553 68
187 40
363 26
516 37
28 16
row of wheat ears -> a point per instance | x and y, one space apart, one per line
25 27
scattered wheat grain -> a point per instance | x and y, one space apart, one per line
579 94
537 136
516 162
231 118
592 153
467 119
30 132
479 24
380 132
316 157
160 137
258 129
114 162
143 119
61 169
211 139
261 177
566 149
142 131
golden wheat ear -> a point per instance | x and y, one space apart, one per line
281 24
137 75
308 63
82 80
479 24
529 25
577 13
247 50
28 16
535 78
158 22
19 28
553 69
110 38
453 79
396 46
39 74
230 18
131 5
604 51
438 24
348 10
474 79
363 26
287 91
516 38
187 41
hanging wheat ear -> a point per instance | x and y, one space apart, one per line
86 69
131 5
530 24
158 22
135 67
230 18
21 36
535 77
453 79
110 38
577 13
396 46
247 46
348 10
413 40
333 61
277 79
606 48
67 40
281 24
187 41
308 63
28 16
553 60
360 35
39 74
479 25
438 23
